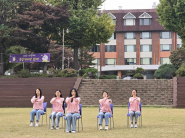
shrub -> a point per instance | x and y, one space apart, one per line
68 73
82 72
108 77
138 76
24 73
181 71
139 70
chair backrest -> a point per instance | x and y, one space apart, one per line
45 106
111 107
80 109
139 106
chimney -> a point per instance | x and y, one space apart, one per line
154 6
120 7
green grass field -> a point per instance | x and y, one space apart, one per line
157 123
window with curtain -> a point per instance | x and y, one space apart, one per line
129 22
96 61
145 21
130 35
110 61
130 61
110 48
146 48
166 47
95 49
165 35
130 48
165 61
179 45
145 35
146 61
113 36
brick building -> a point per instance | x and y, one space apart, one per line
138 41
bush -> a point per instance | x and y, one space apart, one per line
24 73
67 73
108 77
165 71
138 76
181 71
85 75
139 70
35 75
82 72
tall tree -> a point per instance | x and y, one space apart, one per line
172 16
8 11
86 27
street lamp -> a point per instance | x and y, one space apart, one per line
67 31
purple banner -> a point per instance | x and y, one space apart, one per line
39 57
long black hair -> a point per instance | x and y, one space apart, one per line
105 92
135 90
70 95
60 93
40 93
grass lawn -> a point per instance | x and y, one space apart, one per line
157 123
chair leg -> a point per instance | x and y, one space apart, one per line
64 125
42 119
127 121
49 122
81 123
78 124
113 121
97 123
110 123
141 120
62 121
46 119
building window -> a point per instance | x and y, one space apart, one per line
110 61
110 48
166 47
129 22
110 73
96 61
145 21
165 61
130 48
178 37
95 49
130 35
113 37
165 35
146 48
145 35
179 45
130 61
146 61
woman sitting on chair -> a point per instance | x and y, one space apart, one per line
105 110
57 109
72 110
134 108
38 109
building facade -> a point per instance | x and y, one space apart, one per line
138 41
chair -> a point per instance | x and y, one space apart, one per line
110 116
78 118
60 116
45 112
140 116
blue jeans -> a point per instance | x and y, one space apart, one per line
71 119
37 113
56 115
106 116
132 113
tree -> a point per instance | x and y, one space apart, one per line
8 11
86 28
172 16
85 59
166 71
139 70
37 26
181 71
177 57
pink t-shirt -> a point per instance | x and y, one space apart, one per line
57 104
73 107
38 104
105 105
134 104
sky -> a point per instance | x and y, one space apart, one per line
128 4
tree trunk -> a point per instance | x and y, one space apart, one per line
76 56
45 66
1 60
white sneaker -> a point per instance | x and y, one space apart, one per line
100 127
67 131
31 124
37 124
135 125
131 126
57 127
52 128
73 131
106 127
